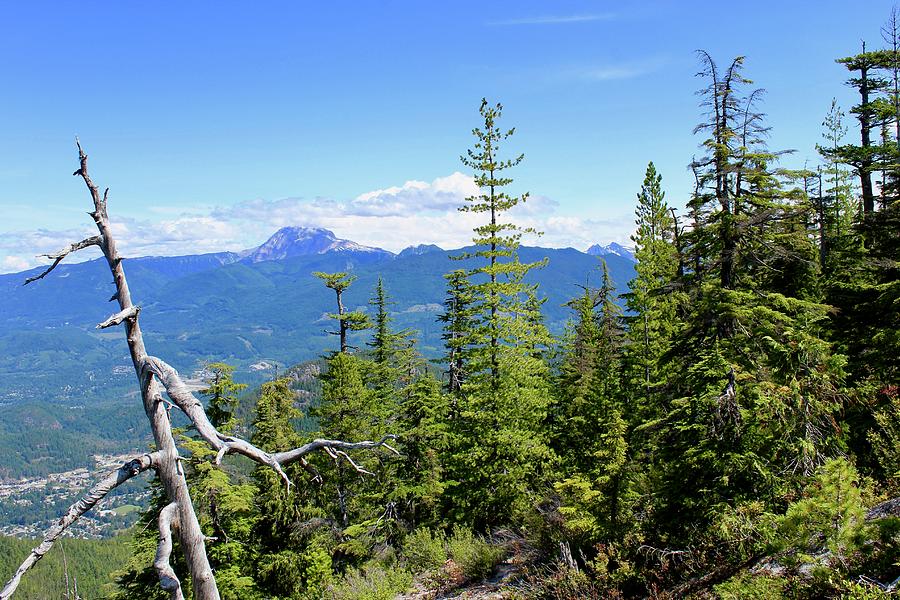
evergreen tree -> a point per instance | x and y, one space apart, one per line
348 321
225 509
837 207
591 430
498 448
494 283
459 328
360 504
652 296
419 487
222 392
393 355
865 157
292 537
755 377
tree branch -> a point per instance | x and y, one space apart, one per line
129 313
226 444
84 504
59 256
168 581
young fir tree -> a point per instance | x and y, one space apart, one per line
422 419
651 300
394 362
590 428
354 320
293 538
459 330
499 449
352 411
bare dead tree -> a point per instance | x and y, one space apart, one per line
155 377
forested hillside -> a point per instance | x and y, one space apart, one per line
85 565
725 428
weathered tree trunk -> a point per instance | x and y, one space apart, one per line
190 536
155 376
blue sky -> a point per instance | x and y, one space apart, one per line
213 123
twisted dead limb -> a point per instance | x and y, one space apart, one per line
59 256
168 520
155 376
223 444
84 504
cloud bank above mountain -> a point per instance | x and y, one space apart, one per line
392 218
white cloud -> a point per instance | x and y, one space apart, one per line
12 263
392 218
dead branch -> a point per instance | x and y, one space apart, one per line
663 554
289 456
153 377
59 256
117 319
168 520
182 397
84 504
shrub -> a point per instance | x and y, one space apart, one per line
751 587
374 581
475 556
829 522
424 550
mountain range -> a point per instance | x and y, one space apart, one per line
252 308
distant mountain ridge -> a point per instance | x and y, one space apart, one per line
215 307
241 308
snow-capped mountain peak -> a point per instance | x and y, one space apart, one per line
288 242
612 248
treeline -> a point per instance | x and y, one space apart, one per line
727 431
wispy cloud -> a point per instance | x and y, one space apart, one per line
613 71
554 20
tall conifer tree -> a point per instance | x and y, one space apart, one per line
499 449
